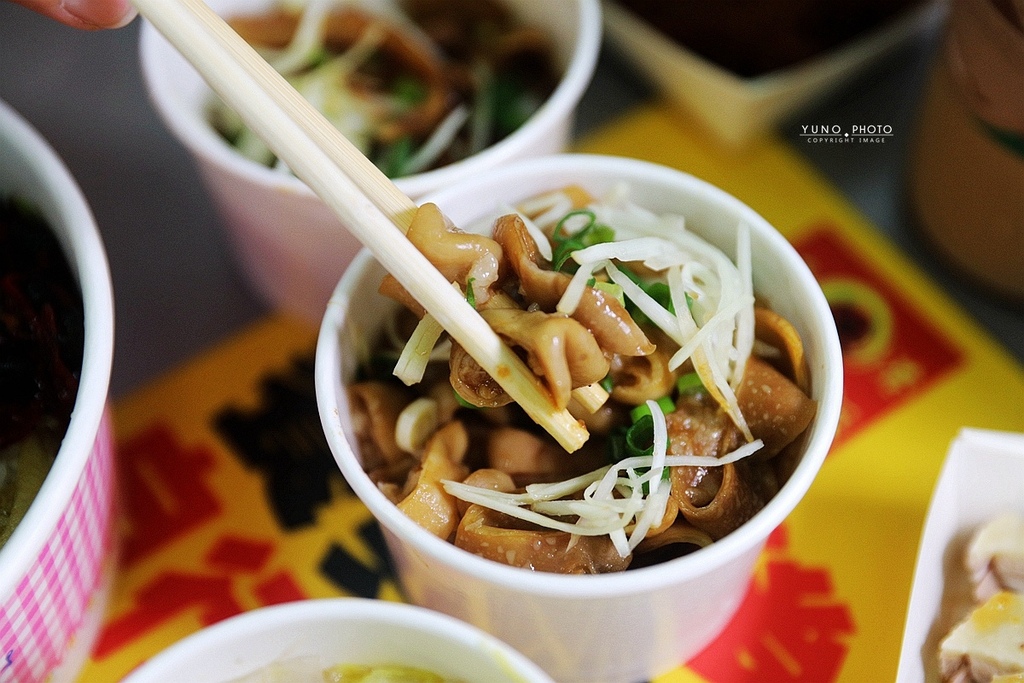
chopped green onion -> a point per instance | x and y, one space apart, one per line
659 291
463 402
607 383
381 366
612 289
665 403
590 234
470 294
409 92
513 104
318 57
640 437
689 383
395 157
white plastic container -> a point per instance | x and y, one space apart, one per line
982 477
613 627
291 247
317 634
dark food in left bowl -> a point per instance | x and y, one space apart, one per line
41 345
437 83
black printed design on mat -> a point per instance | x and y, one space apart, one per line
284 440
351 575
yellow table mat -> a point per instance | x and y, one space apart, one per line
232 500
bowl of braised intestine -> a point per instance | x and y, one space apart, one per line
56 443
339 640
673 322
431 91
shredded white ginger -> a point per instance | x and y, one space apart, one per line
614 501
713 297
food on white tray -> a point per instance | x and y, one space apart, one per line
996 556
988 645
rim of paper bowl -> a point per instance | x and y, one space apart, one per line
642 579
200 137
225 634
66 211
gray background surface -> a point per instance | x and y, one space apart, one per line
177 290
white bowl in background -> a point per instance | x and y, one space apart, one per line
290 245
56 568
327 632
611 627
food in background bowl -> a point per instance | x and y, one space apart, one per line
421 86
707 389
670 609
41 337
292 247
301 640
310 670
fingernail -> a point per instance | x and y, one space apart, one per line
107 14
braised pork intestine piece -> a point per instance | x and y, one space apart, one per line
601 313
462 257
714 499
472 383
527 458
428 504
498 537
719 499
776 410
772 329
679 533
558 349
636 379
487 478
375 407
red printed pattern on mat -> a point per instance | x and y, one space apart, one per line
212 593
808 646
891 352
165 490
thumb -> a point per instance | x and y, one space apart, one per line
84 14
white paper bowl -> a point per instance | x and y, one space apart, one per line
982 476
738 110
614 627
290 246
55 569
328 632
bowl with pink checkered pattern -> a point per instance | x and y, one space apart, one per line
57 563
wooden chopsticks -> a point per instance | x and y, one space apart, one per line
366 201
